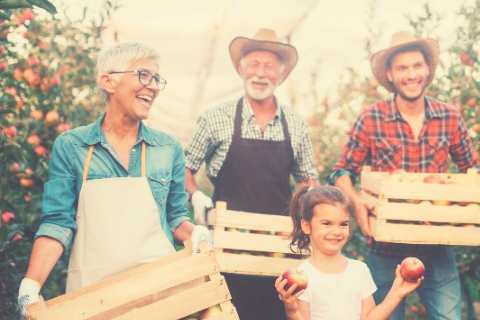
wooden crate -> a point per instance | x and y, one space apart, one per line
411 211
167 289
251 243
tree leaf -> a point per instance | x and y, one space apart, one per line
44 4
3 234
14 4
4 16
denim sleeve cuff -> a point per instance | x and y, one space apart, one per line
176 222
330 179
61 234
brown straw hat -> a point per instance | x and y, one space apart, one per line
399 40
264 39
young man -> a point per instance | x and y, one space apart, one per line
251 146
415 133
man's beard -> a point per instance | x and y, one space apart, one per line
409 98
259 94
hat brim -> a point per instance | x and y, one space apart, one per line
241 46
379 60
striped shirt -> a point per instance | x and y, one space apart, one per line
381 139
213 135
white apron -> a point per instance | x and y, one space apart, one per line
118 227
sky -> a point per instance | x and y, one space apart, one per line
192 37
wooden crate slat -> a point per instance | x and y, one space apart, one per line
428 212
137 271
250 241
254 265
467 236
250 221
139 303
175 307
430 191
147 284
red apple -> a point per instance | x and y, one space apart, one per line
40 150
411 269
295 276
36 114
7 217
209 312
471 102
52 117
10 131
34 139
434 178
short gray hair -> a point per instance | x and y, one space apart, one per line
120 56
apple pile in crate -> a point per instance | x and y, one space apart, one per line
424 208
252 243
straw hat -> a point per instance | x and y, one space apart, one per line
264 39
399 40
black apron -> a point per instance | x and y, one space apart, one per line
255 177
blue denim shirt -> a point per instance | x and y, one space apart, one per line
165 170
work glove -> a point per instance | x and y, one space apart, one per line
201 204
27 293
199 234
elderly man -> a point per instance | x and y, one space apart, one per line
251 146
416 133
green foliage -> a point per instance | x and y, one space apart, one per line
48 85
7 5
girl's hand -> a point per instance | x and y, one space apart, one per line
287 296
403 287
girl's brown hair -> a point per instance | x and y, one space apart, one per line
301 208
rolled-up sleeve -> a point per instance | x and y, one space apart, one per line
59 196
177 211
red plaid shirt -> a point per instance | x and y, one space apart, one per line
381 139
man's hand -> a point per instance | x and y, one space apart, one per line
28 293
201 204
199 234
362 208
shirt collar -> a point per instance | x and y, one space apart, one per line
248 114
431 109
96 134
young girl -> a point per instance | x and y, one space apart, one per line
338 287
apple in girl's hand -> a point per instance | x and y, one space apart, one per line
411 269
297 276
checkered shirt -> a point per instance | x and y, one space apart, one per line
213 135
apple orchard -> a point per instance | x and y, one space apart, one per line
47 86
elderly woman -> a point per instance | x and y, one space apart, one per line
116 193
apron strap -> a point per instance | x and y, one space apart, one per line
87 163
90 153
144 152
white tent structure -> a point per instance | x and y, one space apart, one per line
193 37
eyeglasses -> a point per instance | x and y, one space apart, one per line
145 78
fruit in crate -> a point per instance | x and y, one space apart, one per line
397 175
434 178
209 312
295 276
411 269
